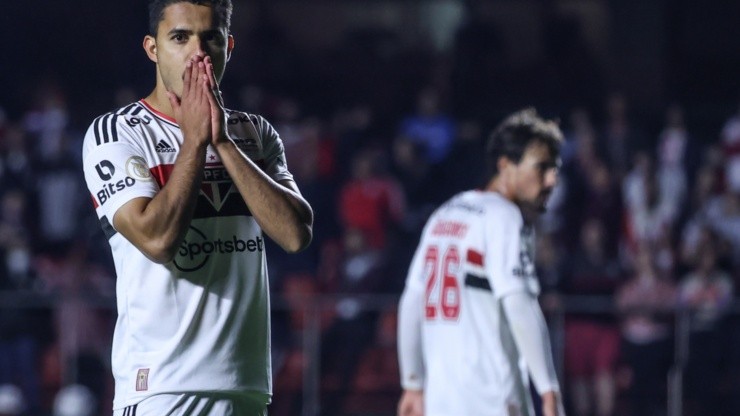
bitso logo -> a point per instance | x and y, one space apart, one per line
136 168
111 188
197 249
105 169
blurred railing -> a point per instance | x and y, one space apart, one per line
314 307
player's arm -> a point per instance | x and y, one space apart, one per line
532 340
156 226
410 353
278 207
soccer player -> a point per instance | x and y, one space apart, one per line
184 189
471 331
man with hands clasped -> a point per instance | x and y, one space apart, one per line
185 189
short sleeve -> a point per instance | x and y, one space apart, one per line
276 165
115 170
510 246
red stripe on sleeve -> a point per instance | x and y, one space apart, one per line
475 257
162 173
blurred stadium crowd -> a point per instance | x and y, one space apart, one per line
644 224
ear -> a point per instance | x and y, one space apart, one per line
229 47
502 164
150 47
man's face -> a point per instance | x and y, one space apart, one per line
187 30
534 177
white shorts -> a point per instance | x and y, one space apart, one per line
197 404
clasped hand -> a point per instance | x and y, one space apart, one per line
199 111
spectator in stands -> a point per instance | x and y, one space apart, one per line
355 128
731 150
371 201
723 215
15 159
430 127
20 328
592 338
675 148
620 137
361 269
650 210
696 220
421 182
707 291
48 121
81 328
646 303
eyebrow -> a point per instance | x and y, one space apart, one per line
180 31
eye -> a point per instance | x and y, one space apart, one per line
179 37
215 39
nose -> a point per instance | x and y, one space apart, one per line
551 178
200 49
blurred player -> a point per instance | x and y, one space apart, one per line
184 190
471 330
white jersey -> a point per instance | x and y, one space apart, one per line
474 250
200 322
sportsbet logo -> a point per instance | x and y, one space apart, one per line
196 249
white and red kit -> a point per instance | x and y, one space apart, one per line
199 323
455 337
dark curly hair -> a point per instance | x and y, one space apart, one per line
512 137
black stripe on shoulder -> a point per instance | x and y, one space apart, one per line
104 130
138 110
133 410
115 128
96 124
108 229
127 109
477 282
110 128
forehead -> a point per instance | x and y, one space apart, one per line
185 15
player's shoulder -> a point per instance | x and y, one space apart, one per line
235 117
485 204
240 120
106 128
252 131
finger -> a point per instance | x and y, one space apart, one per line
194 76
213 99
210 72
202 78
187 78
212 79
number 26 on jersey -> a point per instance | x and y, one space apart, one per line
442 287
